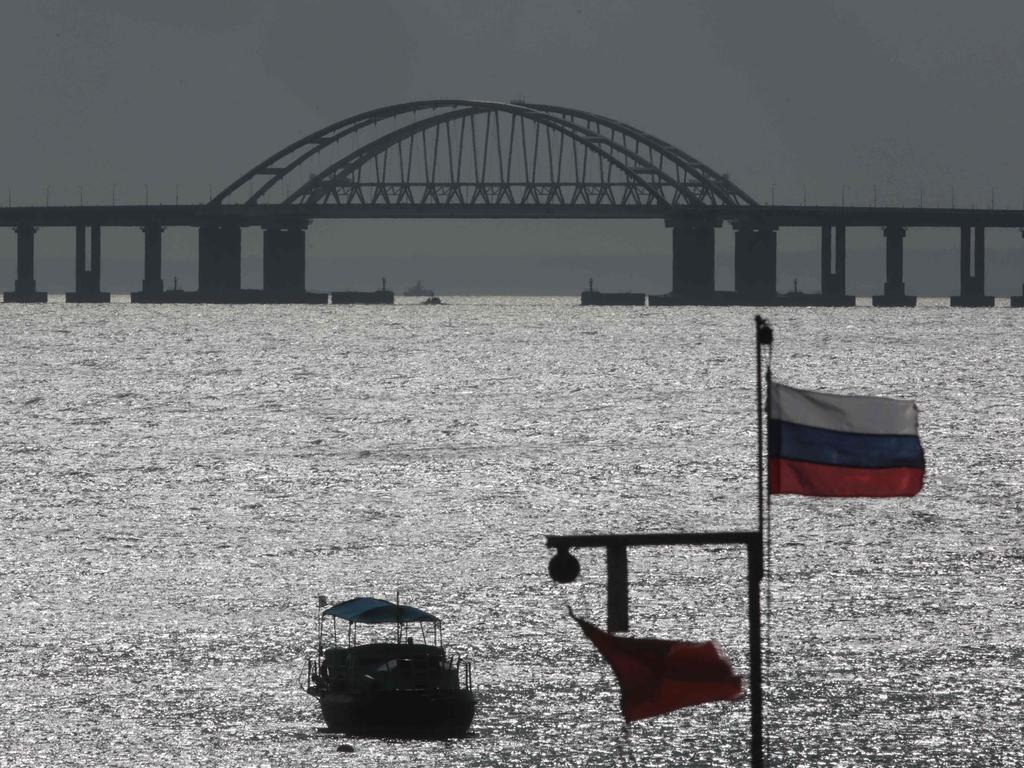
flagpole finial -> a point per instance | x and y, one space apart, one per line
764 331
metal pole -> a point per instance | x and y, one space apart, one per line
754 570
756 563
764 337
618 589
758 323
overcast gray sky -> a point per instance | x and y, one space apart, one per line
883 97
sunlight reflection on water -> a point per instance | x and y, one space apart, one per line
180 482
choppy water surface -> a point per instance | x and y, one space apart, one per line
179 482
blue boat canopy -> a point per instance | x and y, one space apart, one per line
370 610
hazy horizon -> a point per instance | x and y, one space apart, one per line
800 100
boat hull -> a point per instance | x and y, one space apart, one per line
403 713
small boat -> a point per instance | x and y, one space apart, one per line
403 686
432 300
418 290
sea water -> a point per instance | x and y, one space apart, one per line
180 482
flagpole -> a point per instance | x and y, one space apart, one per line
758 324
756 567
762 338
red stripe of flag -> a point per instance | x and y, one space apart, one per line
809 479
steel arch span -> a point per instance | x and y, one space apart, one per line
457 156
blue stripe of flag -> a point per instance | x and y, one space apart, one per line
843 449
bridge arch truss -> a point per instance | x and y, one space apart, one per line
442 157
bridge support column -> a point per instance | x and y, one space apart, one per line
152 278
827 267
95 259
284 262
284 266
894 294
693 266
87 269
833 268
693 262
220 263
1018 301
972 281
80 255
152 270
756 263
25 280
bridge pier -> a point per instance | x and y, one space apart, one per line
756 264
152 274
972 281
828 275
693 266
284 266
833 267
894 294
1018 301
693 261
284 261
220 263
87 269
25 281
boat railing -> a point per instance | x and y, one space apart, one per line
318 672
413 672
463 672
312 674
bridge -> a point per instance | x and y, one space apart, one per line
460 158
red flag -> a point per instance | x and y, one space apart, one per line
658 676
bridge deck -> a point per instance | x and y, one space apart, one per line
193 215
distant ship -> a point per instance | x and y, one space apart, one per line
795 291
418 290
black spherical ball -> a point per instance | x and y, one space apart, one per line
564 567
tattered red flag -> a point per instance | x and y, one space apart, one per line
658 676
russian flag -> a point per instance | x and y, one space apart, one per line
842 445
